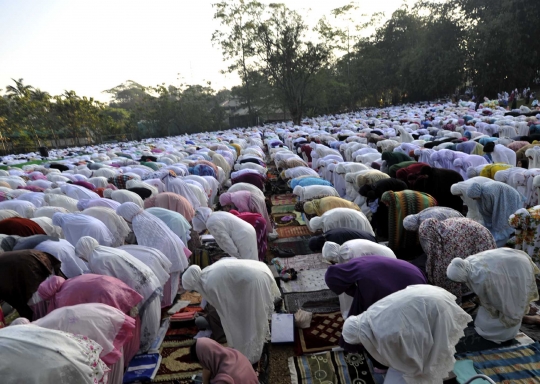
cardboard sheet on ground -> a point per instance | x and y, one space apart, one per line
282 328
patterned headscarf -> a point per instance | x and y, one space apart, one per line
444 240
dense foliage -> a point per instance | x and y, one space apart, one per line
434 49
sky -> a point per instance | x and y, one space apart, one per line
91 46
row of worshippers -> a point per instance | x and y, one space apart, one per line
136 280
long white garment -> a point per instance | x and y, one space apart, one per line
48 227
49 211
152 232
311 191
116 224
101 202
134 273
341 218
32 354
151 257
233 235
198 191
460 189
177 185
78 193
413 331
24 208
77 225
243 293
36 198
8 213
246 187
62 201
504 281
65 252
123 196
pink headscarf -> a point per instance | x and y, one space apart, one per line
240 199
226 365
88 288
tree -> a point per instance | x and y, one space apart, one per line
19 90
236 19
276 38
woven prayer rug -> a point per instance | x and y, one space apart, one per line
285 232
303 262
330 368
508 365
299 245
315 302
322 335
285 199
310 280
176 364
287 219
282 209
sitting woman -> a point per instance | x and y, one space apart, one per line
504 281
222 365
420 347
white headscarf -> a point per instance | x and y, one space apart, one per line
8 214
504 281
354 248
62 201
48 227
49 211
231 285
341 218
152 258
124 196
78 193
116 224
65 252
24 208
413 331
77 225
201 217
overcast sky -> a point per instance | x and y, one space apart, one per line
90 46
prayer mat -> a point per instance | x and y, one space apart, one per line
315 302
282 209
322 335
192 297
299 245
473 342
286 232
508 365
302 262
176 364
287 219
331 367
285 199
311 280
181 334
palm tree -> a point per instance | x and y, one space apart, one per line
19 90
39 95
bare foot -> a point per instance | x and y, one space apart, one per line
532 320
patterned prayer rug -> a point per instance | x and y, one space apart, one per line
282 209
310 280
508 365
322 335
299 245
303 262
285 199
285 232
287 219
176 364
315 302
180 334
331 368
